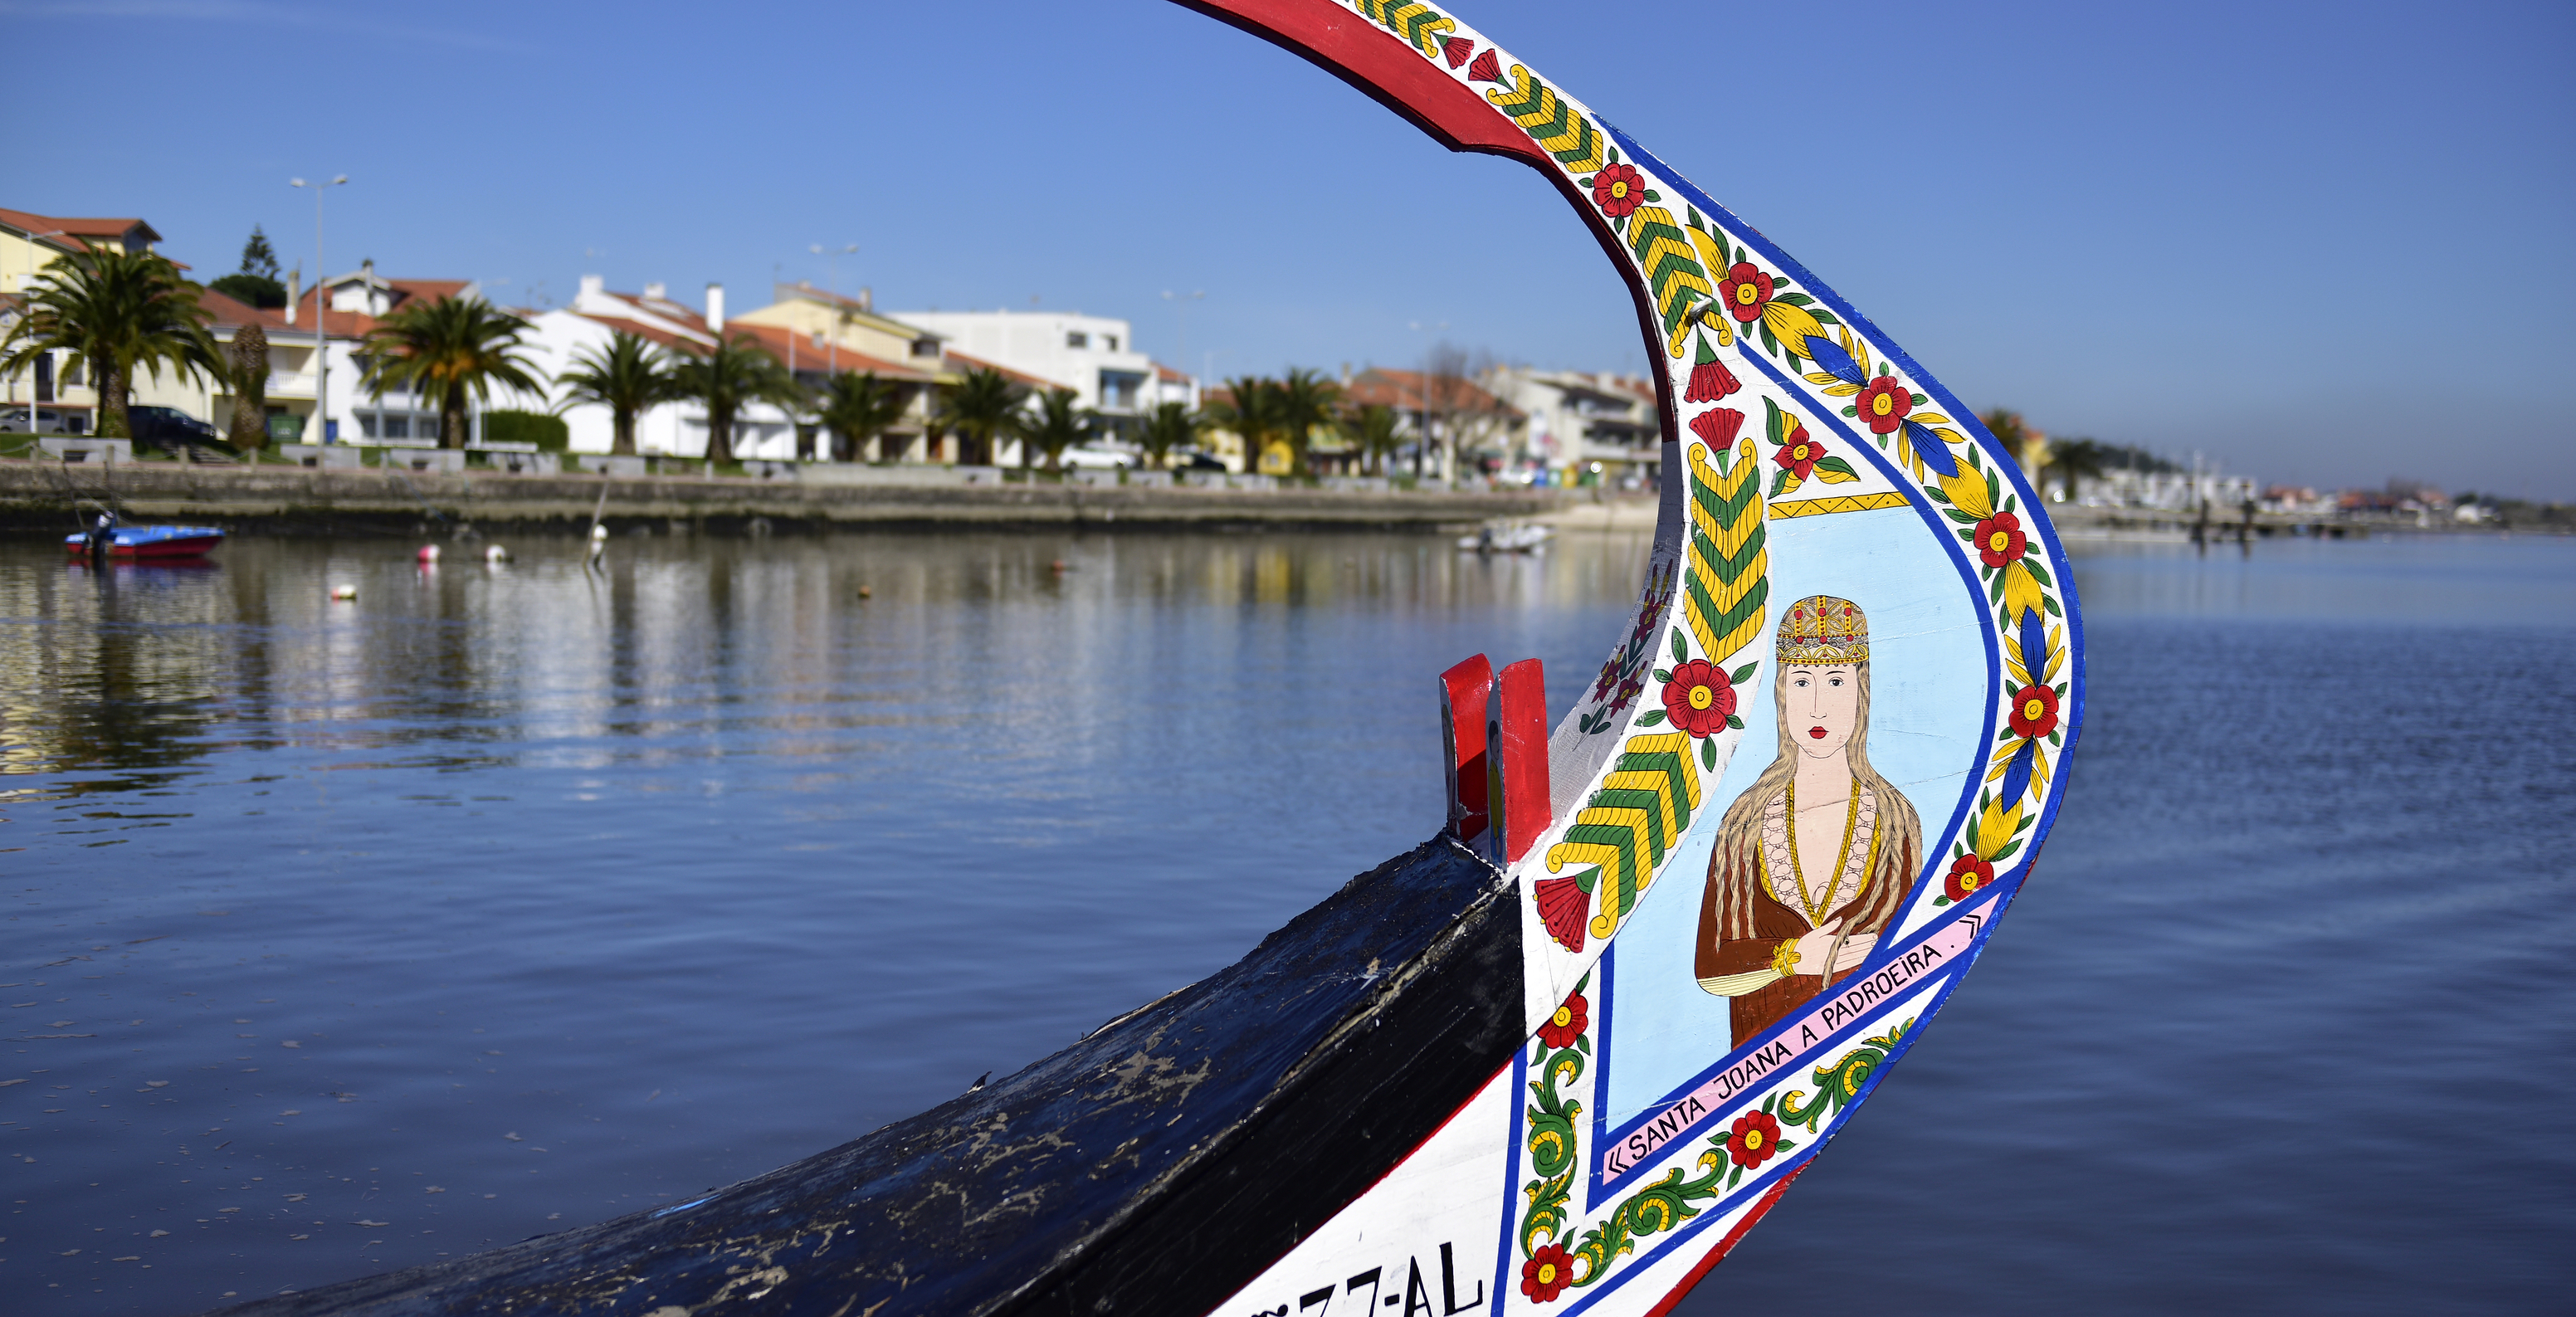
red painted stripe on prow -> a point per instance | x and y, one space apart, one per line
1464 692
1379 63
1522 756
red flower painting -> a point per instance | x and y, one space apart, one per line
1563 906
1745 290
1967 874
2000 541
1754 1139
1546 1274
1699 699
1710 381
2034 712
1719 426
1799 453
1883 405
1568 1024
1618 190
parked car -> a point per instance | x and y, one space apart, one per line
13 420
1197 462
168 427
1096 458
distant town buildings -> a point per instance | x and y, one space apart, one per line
1505 423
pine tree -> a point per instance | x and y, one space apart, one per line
256 282
257 256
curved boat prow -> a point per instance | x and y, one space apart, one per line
1407 1094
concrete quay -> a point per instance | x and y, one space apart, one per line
40 496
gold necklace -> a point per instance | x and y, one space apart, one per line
1851 817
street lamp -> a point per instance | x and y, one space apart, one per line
24 286
1422 447
832 355
321 337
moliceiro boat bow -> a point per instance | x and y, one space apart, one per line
1707 872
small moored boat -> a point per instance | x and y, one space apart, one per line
1506 537
147 543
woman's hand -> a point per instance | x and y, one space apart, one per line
1815 946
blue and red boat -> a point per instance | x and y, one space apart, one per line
151 543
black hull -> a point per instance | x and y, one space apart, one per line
1154 1167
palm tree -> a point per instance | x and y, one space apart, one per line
858 408
2075 459
447 349
1167 427
627 377
726 377
1375 429
1058 425
246 374
981 407
115 311
1305 402
1249 409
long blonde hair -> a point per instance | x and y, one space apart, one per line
1738 857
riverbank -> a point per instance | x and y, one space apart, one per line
42 497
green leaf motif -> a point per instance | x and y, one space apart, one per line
1743 674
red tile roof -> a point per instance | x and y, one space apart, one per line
230 313
78 229
965 363
777 339
650 333
1405 390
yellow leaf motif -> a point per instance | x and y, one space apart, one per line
1791 325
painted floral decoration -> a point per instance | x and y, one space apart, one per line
2000 541
2034 711
1967 875
1800 453
1565 906
1618 190
1754 1139
1746 290
1568 1024
1719 426
1710 380
1882 405
1698 698
1546 1274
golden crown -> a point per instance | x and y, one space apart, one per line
1820 631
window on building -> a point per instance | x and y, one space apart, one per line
1077 339
44 377
1119 389
73 369
925 347
1110 340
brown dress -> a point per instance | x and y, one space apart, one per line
1751 906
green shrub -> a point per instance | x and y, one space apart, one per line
548 433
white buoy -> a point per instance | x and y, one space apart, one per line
496 554
429 553
344 592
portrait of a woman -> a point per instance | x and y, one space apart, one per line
1813 858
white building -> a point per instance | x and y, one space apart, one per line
672 429
1577 418
1094 356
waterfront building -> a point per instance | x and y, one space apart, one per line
1578 419
1095 356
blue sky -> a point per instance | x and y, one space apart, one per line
2326 244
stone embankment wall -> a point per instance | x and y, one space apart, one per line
39 497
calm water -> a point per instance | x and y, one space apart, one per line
350 936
